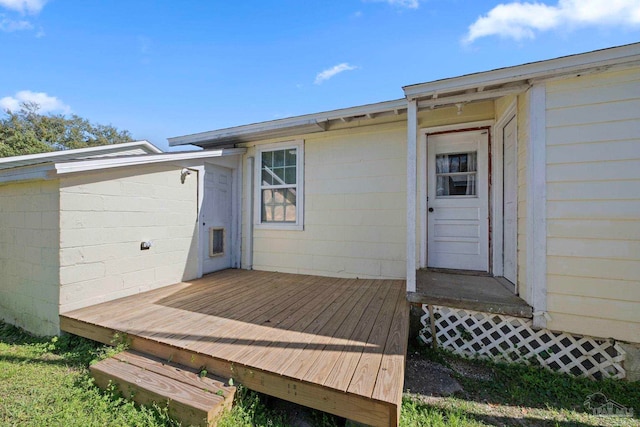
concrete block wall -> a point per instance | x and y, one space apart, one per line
104 217
29 231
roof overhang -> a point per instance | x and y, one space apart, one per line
79 153
289 127
503 81
53 170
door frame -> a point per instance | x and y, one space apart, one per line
498 189
422 180
235 164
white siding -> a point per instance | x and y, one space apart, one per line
593 208
354 209
103 219
29 263
355 200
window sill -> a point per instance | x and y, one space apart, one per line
290 227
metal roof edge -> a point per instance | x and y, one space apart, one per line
52 155
532 70
73 166
311 122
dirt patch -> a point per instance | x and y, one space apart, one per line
429 378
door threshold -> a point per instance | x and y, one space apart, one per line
460 272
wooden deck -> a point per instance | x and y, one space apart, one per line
337 345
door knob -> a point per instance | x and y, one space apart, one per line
430 209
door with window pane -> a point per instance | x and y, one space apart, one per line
457 201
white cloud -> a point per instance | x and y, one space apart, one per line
24 6
409 4
330 72
522 20
47 103
9 25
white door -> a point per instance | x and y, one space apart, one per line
215 219
457 200
510 212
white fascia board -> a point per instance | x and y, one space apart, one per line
38 172
116 162
288 127
51 156
627 54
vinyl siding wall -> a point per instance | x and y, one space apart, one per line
105 216
593 207
29 230
355 200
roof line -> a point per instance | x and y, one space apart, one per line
315 122
534 70
87 150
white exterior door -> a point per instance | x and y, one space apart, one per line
215 219
510 213
457 200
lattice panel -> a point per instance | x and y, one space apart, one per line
513 339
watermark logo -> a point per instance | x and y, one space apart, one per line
598 404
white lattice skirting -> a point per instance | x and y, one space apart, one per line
513 339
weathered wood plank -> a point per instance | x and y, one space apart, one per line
186 403
328 356
187 375
390 377
296 337
365 373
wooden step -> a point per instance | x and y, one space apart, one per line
192 399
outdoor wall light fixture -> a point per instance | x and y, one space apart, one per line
145 246
184 174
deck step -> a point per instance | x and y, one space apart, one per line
192 399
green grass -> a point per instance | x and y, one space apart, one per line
45 382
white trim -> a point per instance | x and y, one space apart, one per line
536 206
78 153
412 151
236 213
250 200
201 242
541 69
422 174
497 187
116 162
443 100
458 126
299 224
288 127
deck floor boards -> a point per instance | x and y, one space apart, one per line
341 335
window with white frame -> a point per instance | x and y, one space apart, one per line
279 191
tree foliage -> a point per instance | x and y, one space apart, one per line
26 131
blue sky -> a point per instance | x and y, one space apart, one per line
169 68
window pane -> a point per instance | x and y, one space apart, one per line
454 163
291 157
279 176
456 185
278 158
279 205
267 159
290 175
267 179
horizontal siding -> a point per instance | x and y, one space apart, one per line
593 207
355 221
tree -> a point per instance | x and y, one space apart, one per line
26 131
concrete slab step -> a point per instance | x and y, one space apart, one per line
192 399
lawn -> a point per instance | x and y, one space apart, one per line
45 382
